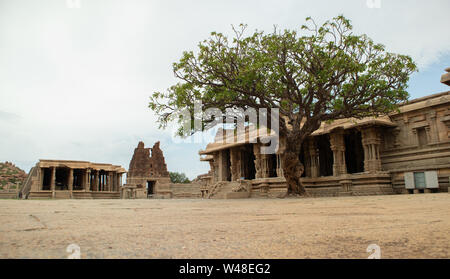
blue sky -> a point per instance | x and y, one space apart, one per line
427 80
75 82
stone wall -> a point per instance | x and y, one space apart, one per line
419 142
188 191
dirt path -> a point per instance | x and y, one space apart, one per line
404 226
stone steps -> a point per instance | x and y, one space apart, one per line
9 195
225 188
62 195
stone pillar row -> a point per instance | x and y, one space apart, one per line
371 141
112 181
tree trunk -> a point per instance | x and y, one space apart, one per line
293 170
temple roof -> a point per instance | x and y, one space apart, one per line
207 158
80 165
325 128
349 123
424 102
231 140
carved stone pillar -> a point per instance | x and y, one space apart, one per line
87 184
265 165
212 171
338 147
313 162
70 183
258 161
280 172
429 134
116 182
110 182
215 167
99 182
223 166
235 162
105 181
53 179
434 132
371 141
95 186
113 181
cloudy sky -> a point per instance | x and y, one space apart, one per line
75 79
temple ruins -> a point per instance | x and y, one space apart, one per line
60 179
407 151
147 174
404 152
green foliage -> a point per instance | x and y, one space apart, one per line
315 74
176 177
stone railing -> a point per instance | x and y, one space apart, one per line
214 189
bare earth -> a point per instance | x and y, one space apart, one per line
404 226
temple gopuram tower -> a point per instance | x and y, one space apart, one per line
147 174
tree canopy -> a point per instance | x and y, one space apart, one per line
176 177
314 74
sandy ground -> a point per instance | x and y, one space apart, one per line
403 226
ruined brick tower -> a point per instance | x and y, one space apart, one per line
148 162
148 172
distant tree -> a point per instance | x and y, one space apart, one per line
176 177
325 73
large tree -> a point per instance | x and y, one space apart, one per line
321 73
178 177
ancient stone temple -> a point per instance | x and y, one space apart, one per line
61 179
147 175
405 152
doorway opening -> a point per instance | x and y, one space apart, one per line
354 152
62 179
46 181
248 162
150 188
326 159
